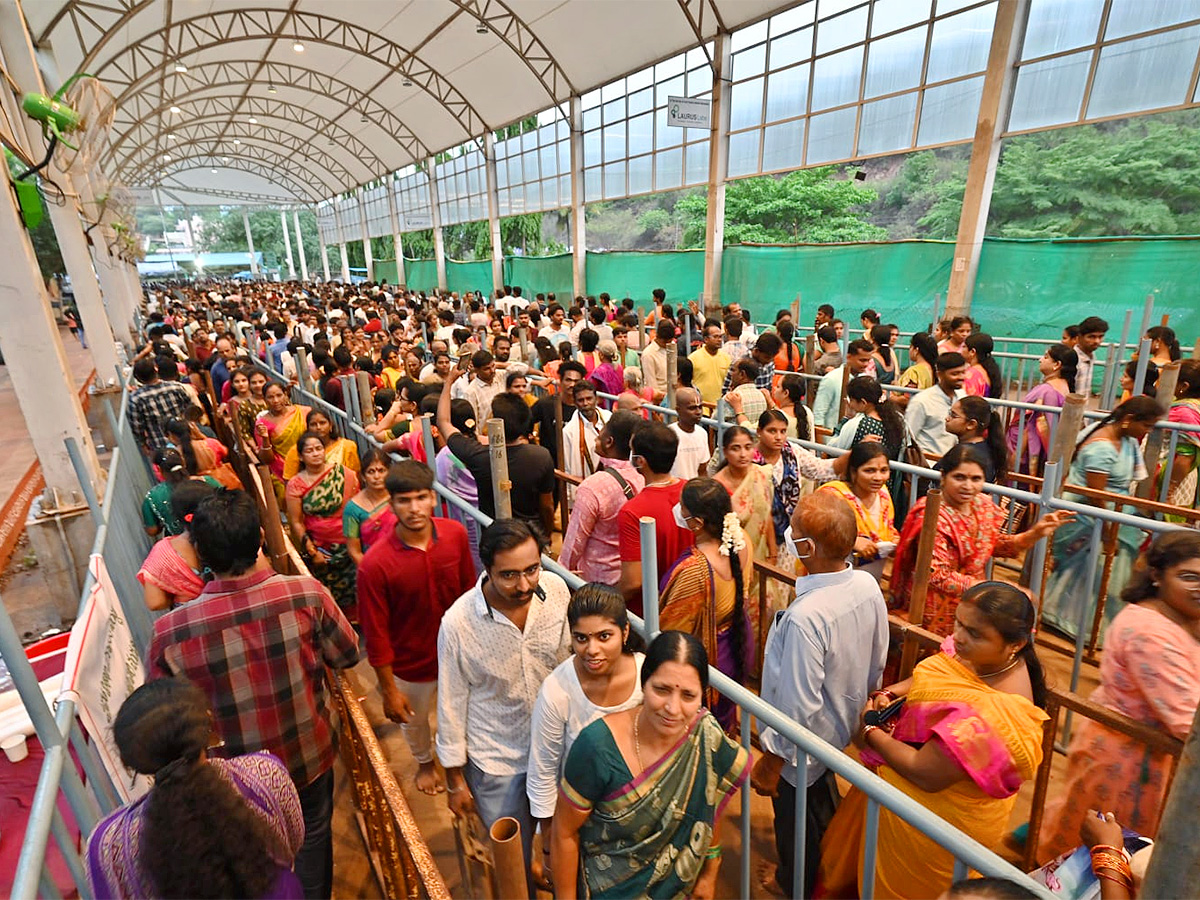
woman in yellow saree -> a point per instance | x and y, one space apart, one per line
338 449
276 431
969 734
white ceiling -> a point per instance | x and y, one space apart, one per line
310 141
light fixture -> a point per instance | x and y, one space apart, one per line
214 171
481 27
363 118
271 88
171 135
166 157
180 68
253 121
329 143
236 141
298 47
176 110
224 159
407 81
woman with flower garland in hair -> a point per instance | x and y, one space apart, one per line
704 592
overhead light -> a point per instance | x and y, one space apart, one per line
214 171
329 143
298 47
253 121
407 81
236 141
180 68
166 157
481 27
224 159
176 110
364 118
271 88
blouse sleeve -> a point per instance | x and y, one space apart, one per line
1098 456
944 574
351 526
1165 674
545 751
591 769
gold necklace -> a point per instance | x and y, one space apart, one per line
991 674
637 745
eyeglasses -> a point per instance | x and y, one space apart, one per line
513 575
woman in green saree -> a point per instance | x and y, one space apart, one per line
643 790
316 497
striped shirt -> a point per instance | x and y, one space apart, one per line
258 645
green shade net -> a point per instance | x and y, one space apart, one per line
1024 288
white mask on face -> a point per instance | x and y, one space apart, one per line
792 546
679 519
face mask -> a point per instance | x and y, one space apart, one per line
790 542
679 519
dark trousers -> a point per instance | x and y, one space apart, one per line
314 861
822 803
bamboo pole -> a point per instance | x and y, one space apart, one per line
916 603
272 523
561 461
1168 380
366 405
672 373
501 486
509 859
1062 449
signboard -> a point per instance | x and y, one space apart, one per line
684 112
415 221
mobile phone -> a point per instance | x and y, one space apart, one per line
882 716
462 361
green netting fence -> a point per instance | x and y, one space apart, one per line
1024 287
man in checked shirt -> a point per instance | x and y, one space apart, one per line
258 644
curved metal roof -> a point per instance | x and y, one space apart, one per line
344 91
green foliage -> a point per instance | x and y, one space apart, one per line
473 240
418 244
224 232
45 247
810 205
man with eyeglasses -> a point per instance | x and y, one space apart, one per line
497 644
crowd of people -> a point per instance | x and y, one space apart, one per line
520 697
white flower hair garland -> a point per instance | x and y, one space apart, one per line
731 535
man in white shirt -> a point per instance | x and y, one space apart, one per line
654 359
926 412
483 387
581 431
558 330
497 644
824 655
693 454
828 405
1091 336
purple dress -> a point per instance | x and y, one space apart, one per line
114 868
1033 447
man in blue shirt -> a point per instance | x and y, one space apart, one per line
278 346
824 655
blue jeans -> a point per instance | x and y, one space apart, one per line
314 861
497 796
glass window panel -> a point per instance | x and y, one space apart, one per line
887 124
529 140
744 37
749 62
639 80
533 196
668 169
614 180
641 101
641 134
641 175
1144 73
564 190
673 87
949 6
503 206
665 135
591 148
593 184
791 48
843 31
831 136
1132 16
948 112
699 80
743 153
614 90
890 15
614 111
833 7
697 164
787 93
591 118
697 57
669 68
894 63
960 43
614 142
1056 25
564 157
783 146
836 78
791 19
590 99
745 104
1049 92
512 170
548 161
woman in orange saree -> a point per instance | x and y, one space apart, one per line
969 734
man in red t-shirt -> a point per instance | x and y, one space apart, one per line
652 452
406 581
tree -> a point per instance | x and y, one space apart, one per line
227 233
810 205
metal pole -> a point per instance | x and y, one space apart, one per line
1168 378
646 528
1117 362
672 373
366 406
85 483
1143 364
1050 476
501 486
427 439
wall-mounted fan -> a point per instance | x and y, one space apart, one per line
76 120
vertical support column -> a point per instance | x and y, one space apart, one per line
578 218
994 106
37 363
493 203
397 241
439 242
341 230
718 154
366 235
324 252
250 243
345 263
299 245
287 245
117 300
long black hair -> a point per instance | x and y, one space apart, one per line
978 410
881 337
181 434
1139 407
1167 336
924 344
1169 549
707 500
171 464
201 839
676 646
793 386
1011 613
865 389
983 345
1068 359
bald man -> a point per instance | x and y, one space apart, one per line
694 448
824 655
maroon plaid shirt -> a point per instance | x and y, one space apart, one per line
258 646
